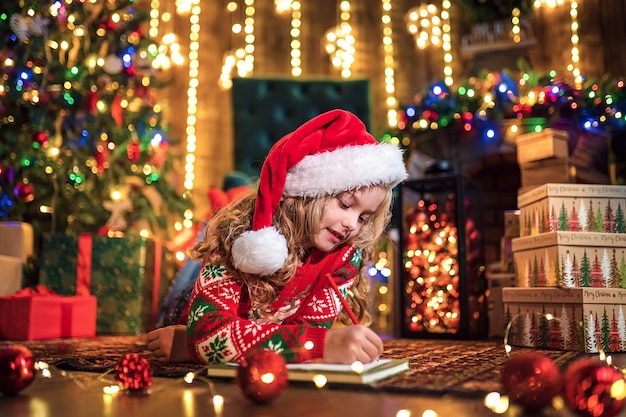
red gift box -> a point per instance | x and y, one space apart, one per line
78 316
30 317
36 314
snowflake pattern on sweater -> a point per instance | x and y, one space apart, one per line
223 324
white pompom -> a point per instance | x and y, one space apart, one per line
260 252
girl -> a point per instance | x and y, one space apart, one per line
323 201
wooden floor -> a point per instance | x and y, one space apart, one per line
64 397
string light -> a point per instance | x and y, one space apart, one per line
249 35
296 53
154 19
548 3
192 104
339 42
447 42
574 67
241 59
424 23
348 47
390 83
282 6
515 27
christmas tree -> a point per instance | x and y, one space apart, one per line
82 142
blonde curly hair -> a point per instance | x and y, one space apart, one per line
297 219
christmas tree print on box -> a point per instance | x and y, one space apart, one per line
580 319
573 208
570 259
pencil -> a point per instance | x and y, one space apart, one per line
346 306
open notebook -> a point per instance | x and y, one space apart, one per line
333 373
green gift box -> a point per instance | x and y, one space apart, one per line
126 274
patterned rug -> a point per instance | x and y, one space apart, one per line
437 366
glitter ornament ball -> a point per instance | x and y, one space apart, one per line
593 388
134 373
262 376
531 380
17 369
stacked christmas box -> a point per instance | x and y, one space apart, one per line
542 155
570 268
16 246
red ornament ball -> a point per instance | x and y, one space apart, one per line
133 372
24 192
40 137
17 369
589 388
262 375
531 380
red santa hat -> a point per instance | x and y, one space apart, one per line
327 155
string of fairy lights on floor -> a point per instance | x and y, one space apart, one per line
390 81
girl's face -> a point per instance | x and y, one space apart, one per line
344 216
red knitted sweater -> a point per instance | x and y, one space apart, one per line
223 323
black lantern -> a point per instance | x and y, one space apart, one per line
441 291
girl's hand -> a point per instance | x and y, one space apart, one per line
350 344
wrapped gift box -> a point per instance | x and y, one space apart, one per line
11 276
30 317
570 259
511 224
78 316
126 275
16 246
580 319
537 146
16 240
496 281
33 316
572 207
533 174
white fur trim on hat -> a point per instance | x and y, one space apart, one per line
261 252
346 168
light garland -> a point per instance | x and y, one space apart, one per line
339 42
447 43
192 105
282 6
424 23
574 67
430 28
296 53
241 58
249 39
348 42
390 83
154 18
515 27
